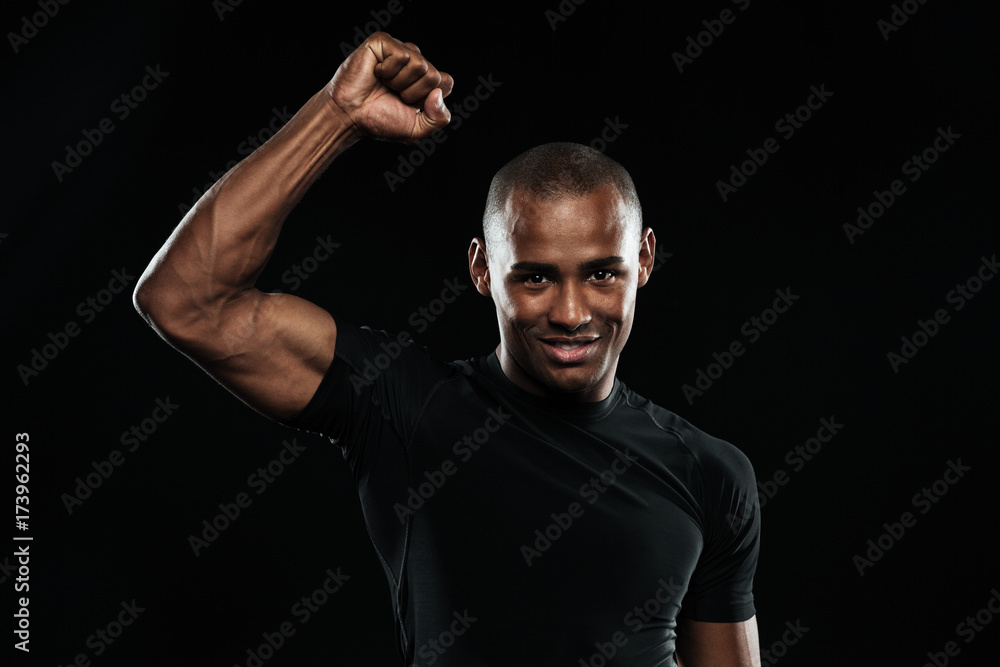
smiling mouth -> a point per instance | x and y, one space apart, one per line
568 350
573 345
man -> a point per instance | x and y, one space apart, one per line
528 508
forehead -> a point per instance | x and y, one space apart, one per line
596 222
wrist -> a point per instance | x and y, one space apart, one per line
340 121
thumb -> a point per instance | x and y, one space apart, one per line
435 114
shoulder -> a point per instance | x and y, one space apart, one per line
716 458
373 353
371 367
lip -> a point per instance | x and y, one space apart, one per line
576 355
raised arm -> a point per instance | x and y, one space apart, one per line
271 350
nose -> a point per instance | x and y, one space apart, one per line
569 309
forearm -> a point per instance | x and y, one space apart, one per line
223 243
272 350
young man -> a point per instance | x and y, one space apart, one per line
527 506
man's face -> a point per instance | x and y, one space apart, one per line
564 278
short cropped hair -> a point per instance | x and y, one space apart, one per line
557 170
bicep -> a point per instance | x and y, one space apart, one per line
270 350
701 644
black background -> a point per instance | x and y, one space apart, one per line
825 358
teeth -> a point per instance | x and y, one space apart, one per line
568 346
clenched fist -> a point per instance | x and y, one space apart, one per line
389 91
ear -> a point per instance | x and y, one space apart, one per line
479 266
647 255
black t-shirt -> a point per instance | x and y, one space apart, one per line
521 530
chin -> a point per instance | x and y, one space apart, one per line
569 380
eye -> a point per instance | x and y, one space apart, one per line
604 275
536 279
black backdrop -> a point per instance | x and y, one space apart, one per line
79 374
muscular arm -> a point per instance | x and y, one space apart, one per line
701 644
271 350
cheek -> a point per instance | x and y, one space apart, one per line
512 313
618 306
628 305
501 299
517 306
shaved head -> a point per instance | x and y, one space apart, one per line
557 171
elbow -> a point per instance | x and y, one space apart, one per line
141 300
158 305
146 295
186 323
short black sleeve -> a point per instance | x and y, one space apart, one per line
372 393
721 588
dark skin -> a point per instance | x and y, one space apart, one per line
566 272
272 350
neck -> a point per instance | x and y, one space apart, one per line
518 375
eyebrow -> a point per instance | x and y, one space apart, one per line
589 265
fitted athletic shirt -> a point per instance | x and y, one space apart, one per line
520 530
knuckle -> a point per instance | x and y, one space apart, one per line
447 84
